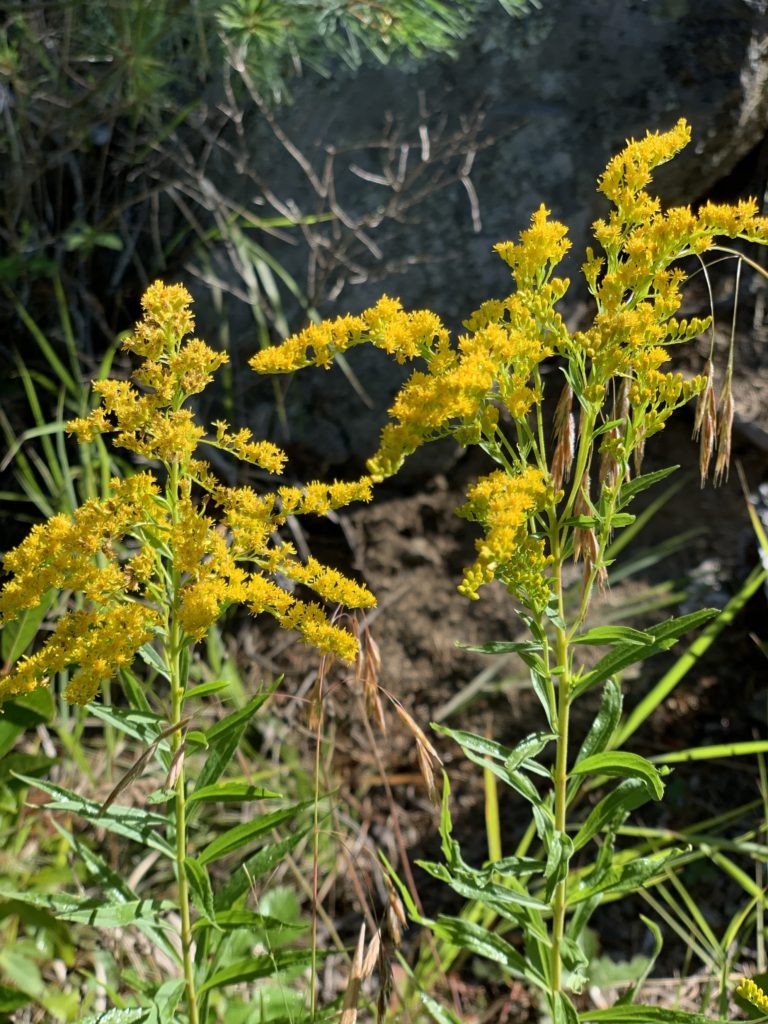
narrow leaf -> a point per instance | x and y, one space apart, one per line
634 487
611 635
224 737
254 868
628 796
266 965
136 823
227 792
531 746
242 835
605 722
664 636
482 942
625 765
200 889
18 635
503 647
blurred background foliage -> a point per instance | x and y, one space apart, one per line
112 113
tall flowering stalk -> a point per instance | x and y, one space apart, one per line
160 559
556 496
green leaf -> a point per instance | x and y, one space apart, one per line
625 765
623 878
486 893
601 635
148 654
519 782
636 1013
165 1002
565 1012
529 747
605 722
255 922
626 797
634 487
206 689
132 1015
94 910
232 792
136 823
17 635
200 889
470 741
254 868
559 855
664 636
266 965
503 647
223 738
241 835
141 725
482 942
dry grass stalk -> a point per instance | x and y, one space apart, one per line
427 756
565 437
724 431
352 991
705 423
367 669
582 507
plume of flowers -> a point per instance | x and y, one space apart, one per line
486 387
170 548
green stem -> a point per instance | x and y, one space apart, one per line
178 685
561 773
177 691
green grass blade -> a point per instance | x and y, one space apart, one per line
684 664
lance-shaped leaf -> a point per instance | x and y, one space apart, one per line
624 877
485 943
626 797
613 763
223 739
266 965
605 722
242 835
491 893
136 823
252 869
636 1013
664 636
95 911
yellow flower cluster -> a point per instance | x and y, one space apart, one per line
151 552
753 993
76 553
505 504
615 369
99 643
403 335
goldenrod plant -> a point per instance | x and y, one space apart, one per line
149 569
558 496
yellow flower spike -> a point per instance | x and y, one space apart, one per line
150 559
753 993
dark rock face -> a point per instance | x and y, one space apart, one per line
561 90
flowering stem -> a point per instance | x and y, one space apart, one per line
178 684
561 768
177 690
